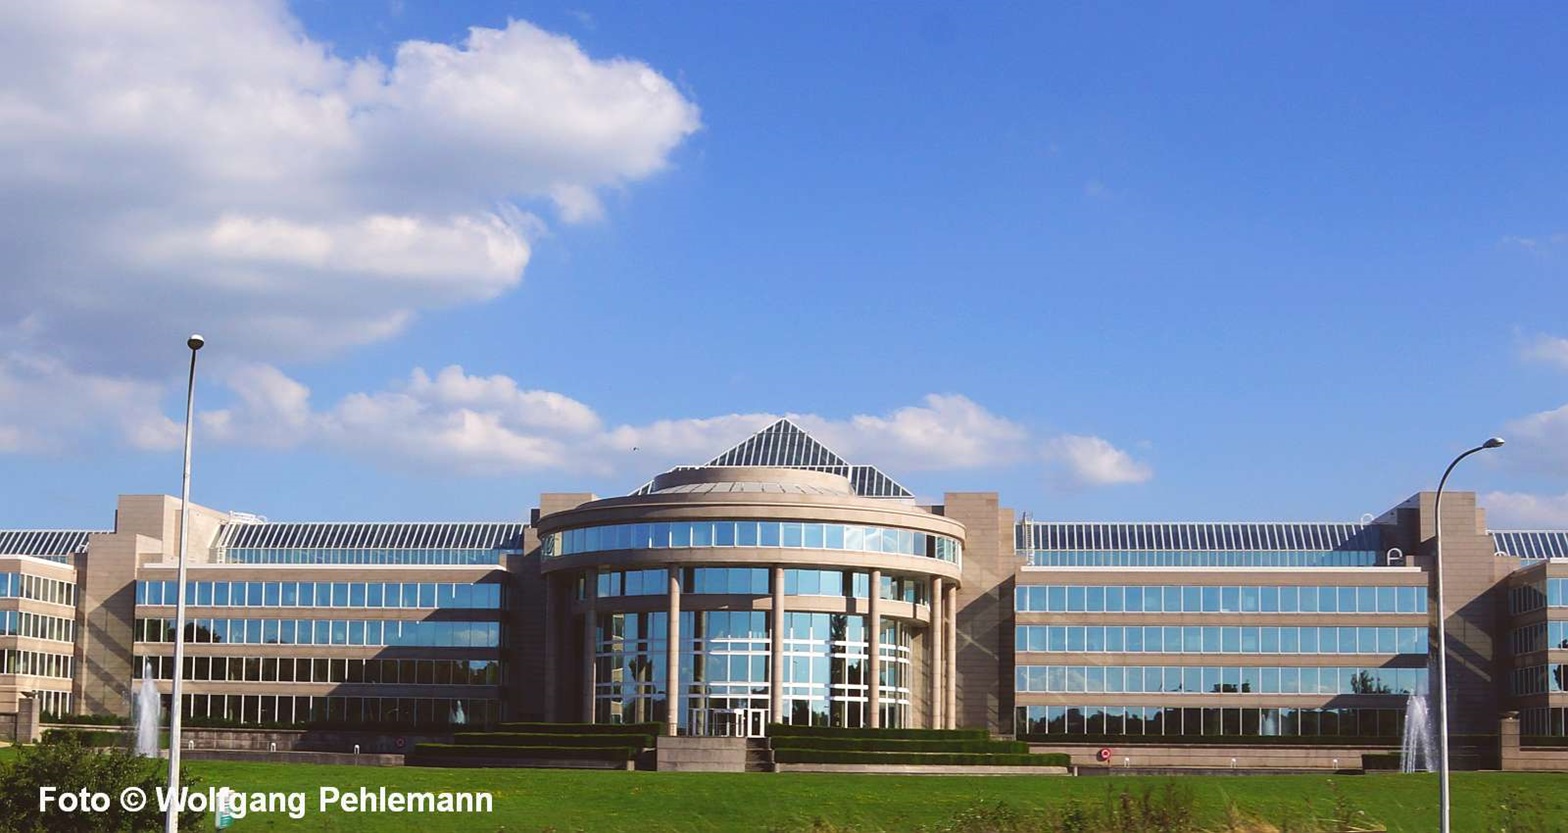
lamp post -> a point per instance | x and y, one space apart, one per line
171 817
1442 638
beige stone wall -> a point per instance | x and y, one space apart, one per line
984 653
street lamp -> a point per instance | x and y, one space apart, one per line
1442 638
171 817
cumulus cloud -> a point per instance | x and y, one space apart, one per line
46 407
177 161
1519 510
1540 441
457 422
1077 461
1549 349
944 432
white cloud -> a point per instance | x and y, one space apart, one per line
46 408
945 432
1540 441
1549 349
465 424
169 162
1076 461
1518 510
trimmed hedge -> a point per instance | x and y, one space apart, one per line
786 730
825 756
583 728
528 740
896 745
98 738
84 719
1214 740
1381 761
610 754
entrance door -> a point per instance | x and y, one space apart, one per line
757 725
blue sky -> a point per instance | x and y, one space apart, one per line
1213 261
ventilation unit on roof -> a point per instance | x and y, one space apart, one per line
246 518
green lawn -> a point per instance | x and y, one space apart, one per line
646 802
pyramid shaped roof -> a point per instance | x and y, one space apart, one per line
786 445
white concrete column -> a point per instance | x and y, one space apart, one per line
590 622
672 656
874 654
934 636
776 646
950 612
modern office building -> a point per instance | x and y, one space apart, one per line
781 583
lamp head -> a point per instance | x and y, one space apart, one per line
196 341
1492 443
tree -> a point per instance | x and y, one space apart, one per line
64 763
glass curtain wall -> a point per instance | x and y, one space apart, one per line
725 661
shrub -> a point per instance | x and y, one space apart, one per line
530 740
786 730
452 751
583 728
897 745
830 756
65 763
84 719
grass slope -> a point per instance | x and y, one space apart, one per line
642 802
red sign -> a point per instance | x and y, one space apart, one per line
1105 753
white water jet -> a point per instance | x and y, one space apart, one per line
147 715
458 717
1418 752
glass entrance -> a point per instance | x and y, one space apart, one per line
729 723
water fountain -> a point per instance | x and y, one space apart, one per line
147 715
1418 752
458 717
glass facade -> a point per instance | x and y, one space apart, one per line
763 534
37 626
1055 598
35 663
1222 720
1218 639
1544 722
325 670
1198 679
323 594
726 667
1540 636
371 632
1551 678
1544 592
37 588
284 710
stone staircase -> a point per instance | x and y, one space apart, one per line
759 755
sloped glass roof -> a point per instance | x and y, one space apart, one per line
1532 545
785 445
43 542
1045 535
479 536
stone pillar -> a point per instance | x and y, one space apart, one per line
28 726
934 635
672 657
950 614
1508 757
552 648
874 654
590 617
776 657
